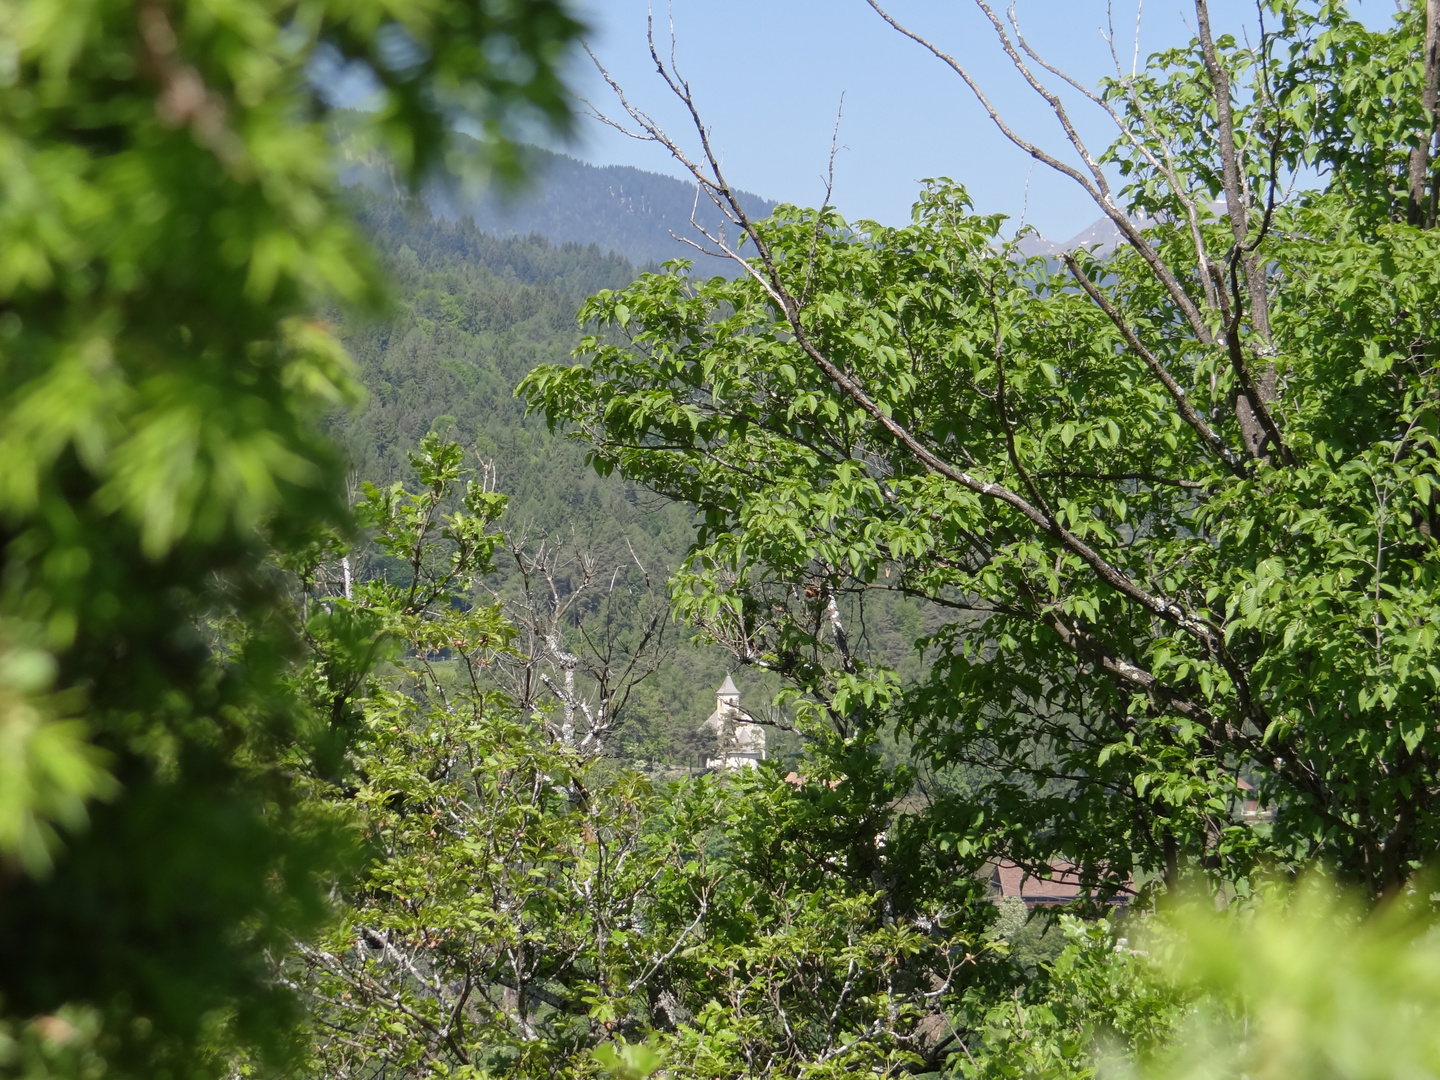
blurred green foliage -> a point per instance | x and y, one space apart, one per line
169 223
1307 983
1302 981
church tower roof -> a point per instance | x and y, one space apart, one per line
739 740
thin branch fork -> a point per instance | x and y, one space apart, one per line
1257 423
1237 202
1165 167
1095 185
1241 257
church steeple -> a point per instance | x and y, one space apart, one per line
728 694
740 742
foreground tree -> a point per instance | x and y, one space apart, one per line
169 219
531 908
1180 503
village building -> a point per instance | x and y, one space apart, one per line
739 741
1251 812
1061 884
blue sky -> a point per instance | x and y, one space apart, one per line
769 74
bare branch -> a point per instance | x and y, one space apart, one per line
1253 412
1100 195
1165 165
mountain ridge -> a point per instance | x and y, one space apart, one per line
643 216
1102 231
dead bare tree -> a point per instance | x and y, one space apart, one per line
591 631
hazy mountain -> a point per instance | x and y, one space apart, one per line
1102 231
627 211
634 213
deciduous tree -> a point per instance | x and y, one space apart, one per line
531 908
1178 503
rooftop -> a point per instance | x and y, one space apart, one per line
1062 886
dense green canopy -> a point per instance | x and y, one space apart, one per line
1165 521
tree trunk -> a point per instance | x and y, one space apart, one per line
1172 862
1237 209
1422 205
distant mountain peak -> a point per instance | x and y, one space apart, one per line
621 209
1101 231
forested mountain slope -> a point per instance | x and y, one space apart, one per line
473 314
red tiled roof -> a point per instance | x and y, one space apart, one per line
1062 886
